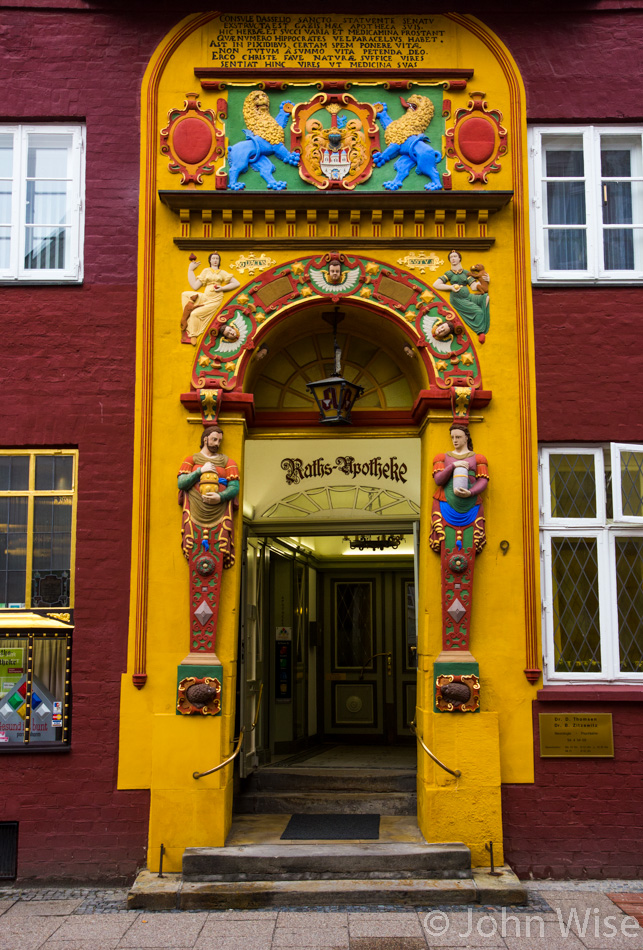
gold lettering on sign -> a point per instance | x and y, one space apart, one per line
422 260
325 42
252 263
573 735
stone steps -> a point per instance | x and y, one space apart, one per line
326 801
287 791
310 861
343 780
149 892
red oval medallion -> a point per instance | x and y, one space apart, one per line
476 140
192 141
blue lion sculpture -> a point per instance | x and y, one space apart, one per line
264 137
406 137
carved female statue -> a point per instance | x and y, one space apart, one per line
458 530
461 477
473 308
199 308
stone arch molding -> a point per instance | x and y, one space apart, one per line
393 293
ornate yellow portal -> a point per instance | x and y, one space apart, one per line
283 189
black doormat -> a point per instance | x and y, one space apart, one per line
331 827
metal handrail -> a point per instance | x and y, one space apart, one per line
239 741
457 772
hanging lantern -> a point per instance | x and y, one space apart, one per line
334 395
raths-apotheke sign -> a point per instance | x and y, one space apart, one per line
314 478
392 468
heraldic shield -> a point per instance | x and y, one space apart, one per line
336 136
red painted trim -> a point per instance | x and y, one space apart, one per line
361 418
210 73
601 693
230 402
435 398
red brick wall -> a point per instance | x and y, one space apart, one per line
589 364
581 817
67 379
578 66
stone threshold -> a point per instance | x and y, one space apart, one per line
171 892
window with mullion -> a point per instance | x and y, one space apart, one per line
37 526
621 200
627 482
587 221
564 203
576 609
592 535
573 486
8 202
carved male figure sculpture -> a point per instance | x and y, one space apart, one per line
208 481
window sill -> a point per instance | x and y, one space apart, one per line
45 282
599 693
586 282
33 750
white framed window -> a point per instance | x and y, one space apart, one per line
587 203
592 550
41 202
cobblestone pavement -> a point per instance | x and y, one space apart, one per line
571 915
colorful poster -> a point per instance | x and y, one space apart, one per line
11 667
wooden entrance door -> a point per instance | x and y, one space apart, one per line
369 661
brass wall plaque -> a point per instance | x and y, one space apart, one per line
574 735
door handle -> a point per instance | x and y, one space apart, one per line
389 664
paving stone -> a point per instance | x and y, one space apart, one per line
457 929
312 920
233 943
553 938
96 927
312 937
6 904
102 944
237 928
26 933
629 903
384 925
163 930
387 943
45 908
631 939
243 915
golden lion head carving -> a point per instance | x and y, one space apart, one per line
257 118
415 121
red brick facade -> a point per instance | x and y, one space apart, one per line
581 817
68 380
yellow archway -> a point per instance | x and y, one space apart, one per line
160 750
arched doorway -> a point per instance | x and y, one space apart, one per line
333 536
